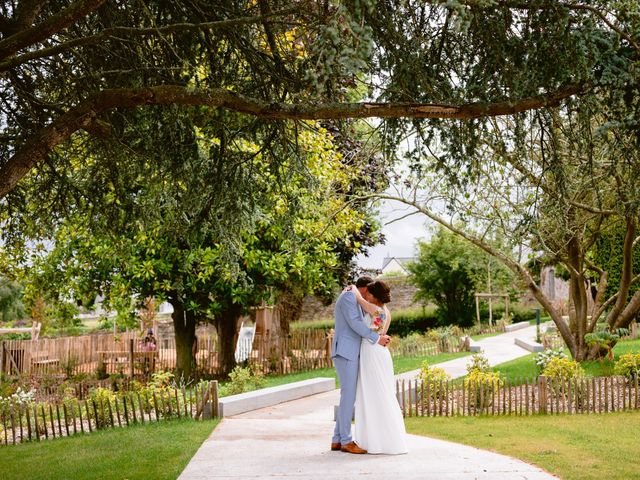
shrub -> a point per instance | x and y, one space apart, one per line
433 378
563 368
19 398
103 398
605 340
413 344
406 322
161 379
628 365
244 380
444 337
542 359
482 386
559 371
478 363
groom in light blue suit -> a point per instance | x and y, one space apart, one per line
345 352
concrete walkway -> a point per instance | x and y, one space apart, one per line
291 441
498 349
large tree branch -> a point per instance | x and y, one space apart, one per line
629 312
117 33
49 27
85 115
514 266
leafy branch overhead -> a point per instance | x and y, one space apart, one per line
66 66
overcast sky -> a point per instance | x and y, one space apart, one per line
401 236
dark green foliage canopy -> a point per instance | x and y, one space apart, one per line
11 306
445 274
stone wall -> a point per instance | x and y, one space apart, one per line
402 298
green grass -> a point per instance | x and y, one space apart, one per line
580 447
543 319
480 336
525 367
157 450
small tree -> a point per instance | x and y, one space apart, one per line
447 273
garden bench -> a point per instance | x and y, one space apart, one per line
43 362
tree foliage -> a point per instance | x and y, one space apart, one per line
226 230
553 184
448 272
67 66
11 306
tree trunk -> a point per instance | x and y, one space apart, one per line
184 324
290 307
226 323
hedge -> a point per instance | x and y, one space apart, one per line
422 319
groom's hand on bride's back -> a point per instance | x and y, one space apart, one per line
384 340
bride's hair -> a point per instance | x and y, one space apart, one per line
380 290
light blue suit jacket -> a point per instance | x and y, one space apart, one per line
350 328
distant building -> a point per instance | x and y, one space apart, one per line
396 265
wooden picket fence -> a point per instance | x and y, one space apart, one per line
123 354
43 421
518 397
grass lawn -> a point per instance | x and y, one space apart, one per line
525 367
485 335
156 450
579 447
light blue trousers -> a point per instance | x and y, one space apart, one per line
348 376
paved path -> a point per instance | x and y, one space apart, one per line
291 441
498 349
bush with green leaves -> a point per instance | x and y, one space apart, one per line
18 399
542 358
103 399
414 344
445 337
628 365
433 378
560 371
478 362
482 386
245 380
481 383
605 340
563 368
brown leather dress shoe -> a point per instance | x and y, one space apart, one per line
352 448
335 447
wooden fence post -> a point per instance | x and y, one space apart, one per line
131 369
2 357
542 394
214 399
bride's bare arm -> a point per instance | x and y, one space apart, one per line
369 308
387 321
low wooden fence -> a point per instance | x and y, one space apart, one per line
124 354
518 397
398 348
43 421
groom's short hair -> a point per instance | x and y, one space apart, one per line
363 281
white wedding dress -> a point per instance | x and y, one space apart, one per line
379 425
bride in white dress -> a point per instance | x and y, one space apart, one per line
379 424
